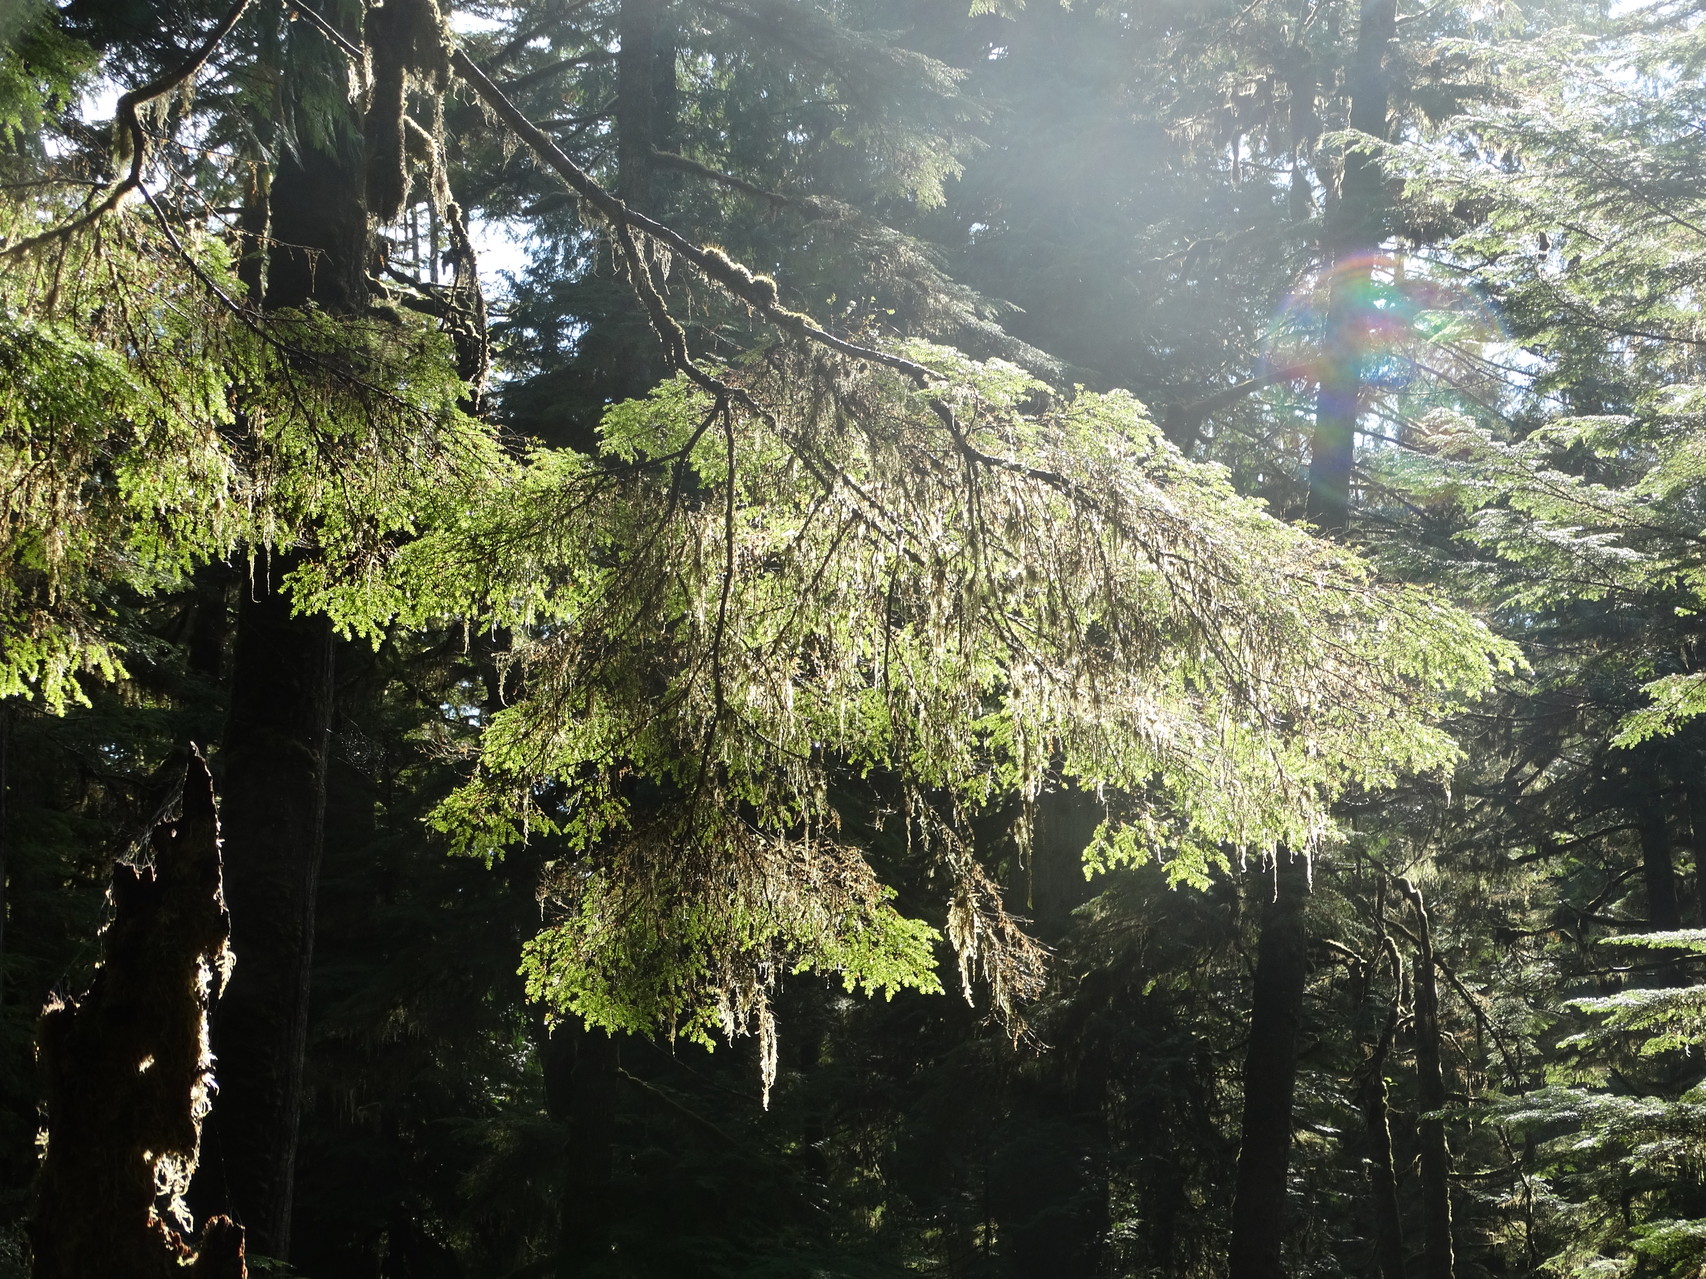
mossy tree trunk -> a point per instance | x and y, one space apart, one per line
273 760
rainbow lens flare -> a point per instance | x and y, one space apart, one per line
1412 318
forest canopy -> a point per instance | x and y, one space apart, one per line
1177 522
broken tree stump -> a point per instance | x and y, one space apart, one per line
128 1073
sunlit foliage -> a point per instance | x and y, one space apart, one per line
965 591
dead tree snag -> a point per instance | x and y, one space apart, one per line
128 1074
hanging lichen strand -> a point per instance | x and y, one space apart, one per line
960 593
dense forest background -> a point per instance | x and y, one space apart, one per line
1028 640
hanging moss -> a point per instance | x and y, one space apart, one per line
407 43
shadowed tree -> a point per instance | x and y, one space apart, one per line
129 1077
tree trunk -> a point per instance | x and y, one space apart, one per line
1353 235
1437 1259
319 233
581 1087
273 760
645 121
1270 1079
127 1071
1372 1096
274 756
1694 788
645 101
1664 912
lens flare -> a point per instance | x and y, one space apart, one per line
1411 320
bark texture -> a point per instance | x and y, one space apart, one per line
1270 1079
128 1073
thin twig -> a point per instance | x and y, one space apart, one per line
136 137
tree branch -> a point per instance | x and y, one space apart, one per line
757 291
1463 992
1186 419
133 136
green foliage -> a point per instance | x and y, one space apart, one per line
784 676
149 428
113 468
1613 1144
39 66
624 970
966 590
1560 485
1585 483
1662 1020
962 591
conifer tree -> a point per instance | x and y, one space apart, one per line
817 562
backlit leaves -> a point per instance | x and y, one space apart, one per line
960 594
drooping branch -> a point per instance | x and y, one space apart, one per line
757 291
133 136
1181 422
